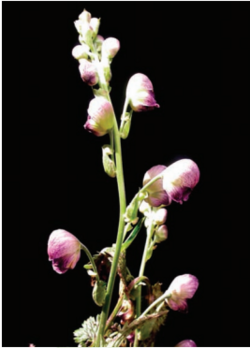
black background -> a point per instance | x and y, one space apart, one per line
197 57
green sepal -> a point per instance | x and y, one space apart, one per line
108 163
99 292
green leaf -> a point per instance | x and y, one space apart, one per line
88 332
99 292
133 234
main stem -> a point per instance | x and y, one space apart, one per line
122 202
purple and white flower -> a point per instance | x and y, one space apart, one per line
64 250
182 288
156 194
100 117
180 178
140 93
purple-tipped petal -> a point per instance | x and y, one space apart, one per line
180 178
64 250
186 343
140 93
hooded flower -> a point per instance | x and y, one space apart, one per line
156 194
100 117
64 250
186 343
140 93
88 72
180 178
182 288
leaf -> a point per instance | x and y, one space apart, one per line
132 235
88 332
99 292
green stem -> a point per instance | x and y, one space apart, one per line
87 252
113 314
157 177
125 106
150 230
122 202
156 302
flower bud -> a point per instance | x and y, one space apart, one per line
186 343
182 288
98 43
144 208
140 93
64 250
156 194
160 216
95 23
110 47
88 72
100 117
80 51
180 178
85 16
85 30
161 234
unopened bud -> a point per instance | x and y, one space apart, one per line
160 216
144 208
110 47
80 51
161 234
95 23
85 16
88 72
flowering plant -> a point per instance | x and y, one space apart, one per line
128 324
